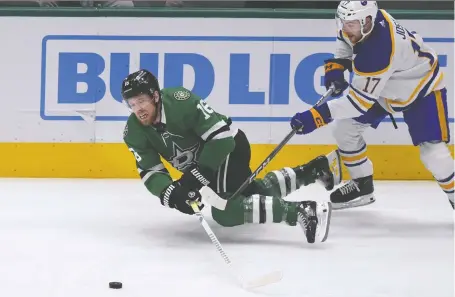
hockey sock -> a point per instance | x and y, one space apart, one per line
256 209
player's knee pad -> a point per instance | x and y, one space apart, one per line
437 159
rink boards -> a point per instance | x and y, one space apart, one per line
61 81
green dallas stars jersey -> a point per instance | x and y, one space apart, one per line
194 134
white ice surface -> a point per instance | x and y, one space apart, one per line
70 238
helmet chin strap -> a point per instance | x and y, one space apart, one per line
364 35
160 127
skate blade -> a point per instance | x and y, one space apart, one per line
264 280
327 224
355 203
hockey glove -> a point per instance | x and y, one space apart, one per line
334 74
178 197
309 120
195 177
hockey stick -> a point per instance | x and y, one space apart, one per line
267 160
393 121
264 280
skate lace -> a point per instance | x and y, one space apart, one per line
349 187
303 221
304 214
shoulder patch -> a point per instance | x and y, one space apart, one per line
125 131
182 95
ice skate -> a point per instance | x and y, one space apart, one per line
354 193
323 169
314 218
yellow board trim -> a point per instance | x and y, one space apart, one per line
113 160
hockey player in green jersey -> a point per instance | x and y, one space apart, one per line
175 124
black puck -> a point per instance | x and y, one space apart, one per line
115 285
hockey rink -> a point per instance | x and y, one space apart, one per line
71 237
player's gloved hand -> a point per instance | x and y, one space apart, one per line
309 120
195 177
334 74
178 197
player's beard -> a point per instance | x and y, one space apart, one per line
145 117
148 118
353 38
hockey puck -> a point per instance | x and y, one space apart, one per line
115 285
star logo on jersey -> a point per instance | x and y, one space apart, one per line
184 158
182 95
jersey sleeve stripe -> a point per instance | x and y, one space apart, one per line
224 131
212 129
222 135
145 174
392 37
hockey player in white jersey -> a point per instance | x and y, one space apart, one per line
394 71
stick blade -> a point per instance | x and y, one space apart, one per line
264 280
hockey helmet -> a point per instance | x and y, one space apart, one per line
139 82
352 15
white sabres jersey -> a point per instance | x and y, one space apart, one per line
392 66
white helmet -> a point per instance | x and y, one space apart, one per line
357 11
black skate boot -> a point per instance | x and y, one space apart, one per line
314 218
354 193
324 169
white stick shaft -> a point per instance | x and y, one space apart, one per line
258 282
212 237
